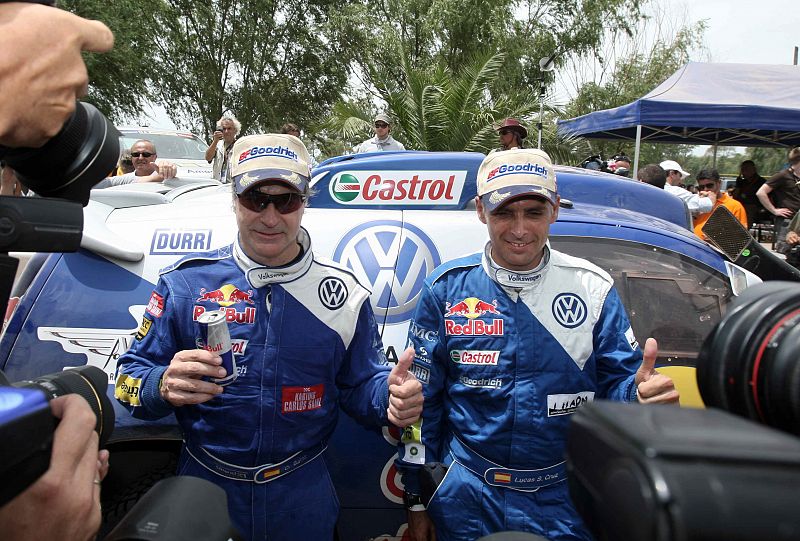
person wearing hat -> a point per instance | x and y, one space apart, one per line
512 340
304 341
383 140
511 134
697 203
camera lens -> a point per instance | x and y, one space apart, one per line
87 381
82 154
749 364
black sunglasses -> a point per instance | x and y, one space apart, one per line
705 187
142 154
285 203
381 125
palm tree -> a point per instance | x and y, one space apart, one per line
438 109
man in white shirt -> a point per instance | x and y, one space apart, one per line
383 139
697 203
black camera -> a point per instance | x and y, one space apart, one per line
27 426
68 165
597 163
661 473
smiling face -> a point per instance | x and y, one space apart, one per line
519 230
269 237
143 154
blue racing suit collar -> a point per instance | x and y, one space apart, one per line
514 279
259 275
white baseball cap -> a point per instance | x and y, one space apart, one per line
507 174
671 165
273 156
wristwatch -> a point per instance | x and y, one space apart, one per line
413 502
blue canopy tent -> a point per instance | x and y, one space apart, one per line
706 104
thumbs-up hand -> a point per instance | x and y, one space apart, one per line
405 392
653 387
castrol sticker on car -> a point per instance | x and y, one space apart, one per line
400 188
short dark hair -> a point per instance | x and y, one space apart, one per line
794 155
286 128
653 174
709 173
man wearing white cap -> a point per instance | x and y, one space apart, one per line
383 139
511 341
698 203
304 344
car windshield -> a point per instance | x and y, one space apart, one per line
169 146
669 296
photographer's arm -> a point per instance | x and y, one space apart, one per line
41 69
65 502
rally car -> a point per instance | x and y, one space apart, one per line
391 218
184 149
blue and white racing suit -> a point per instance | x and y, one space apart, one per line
305 342
505 358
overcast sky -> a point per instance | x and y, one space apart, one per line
747 31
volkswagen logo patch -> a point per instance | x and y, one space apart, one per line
569 310
332 293
393 258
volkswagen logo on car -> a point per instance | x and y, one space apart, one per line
393 258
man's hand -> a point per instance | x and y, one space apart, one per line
792 238
65 502
652 387
783 212
712 195
420 526
41 69
161 171
181 384
405 392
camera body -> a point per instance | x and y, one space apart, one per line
662 473
597 163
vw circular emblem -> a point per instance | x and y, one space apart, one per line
332 293
393 258
569 310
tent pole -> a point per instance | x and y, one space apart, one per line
636 151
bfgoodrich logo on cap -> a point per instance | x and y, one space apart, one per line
270 157
510 173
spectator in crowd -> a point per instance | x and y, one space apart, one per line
620 165
508 341
312 347
145 167
784 188
698 203
383 139
219 150
125 163
290 129
653 175
511 133
747 184
708 181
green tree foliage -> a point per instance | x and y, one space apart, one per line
268 62
441 110
119 79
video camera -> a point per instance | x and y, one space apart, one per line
597 163
661 473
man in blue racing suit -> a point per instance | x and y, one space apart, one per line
304 341
509 342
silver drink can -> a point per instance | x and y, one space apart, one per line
216 338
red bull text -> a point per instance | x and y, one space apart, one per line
216 338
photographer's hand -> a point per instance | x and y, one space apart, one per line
182 382
41 69
653 387
65 502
